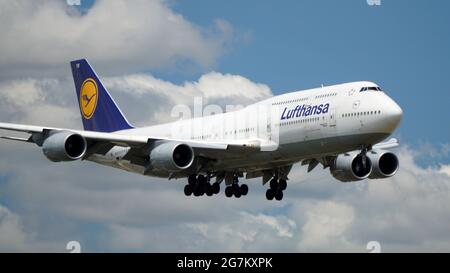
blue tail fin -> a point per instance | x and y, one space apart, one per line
98 110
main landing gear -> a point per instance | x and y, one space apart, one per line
200 185
235 189
277 186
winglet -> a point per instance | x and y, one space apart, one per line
98 110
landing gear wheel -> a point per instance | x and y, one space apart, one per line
270 194
228 191
236 190
202 190
201 179
187 190
197 191
282 184
192 179
273 183
244 189
279 195
215 188
208 189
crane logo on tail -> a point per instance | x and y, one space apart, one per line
88 98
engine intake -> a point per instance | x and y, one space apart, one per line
385 164
350 167
64 146
172 156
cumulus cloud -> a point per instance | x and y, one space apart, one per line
12 235
445 169
243 232
38 36
53 102
212 88
39 101
326 223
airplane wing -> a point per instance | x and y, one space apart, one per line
100 142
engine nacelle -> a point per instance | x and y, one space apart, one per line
64 146
350 167
172 156
385 164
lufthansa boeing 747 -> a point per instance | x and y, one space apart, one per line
340 127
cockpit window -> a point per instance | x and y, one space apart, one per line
372 88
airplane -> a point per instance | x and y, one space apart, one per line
340 127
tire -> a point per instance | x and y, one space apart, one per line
201 179
244 189
197 191
273 184
282 184
228 191
216 188
208 189
192 179
270 194
187 190
237 193
201 189
279 195
236 190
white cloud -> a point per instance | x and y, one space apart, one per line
12 235
326 223
213 88
445 169
144 99
117 36
210 85
21 93
50 102
245 232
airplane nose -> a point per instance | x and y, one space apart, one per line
394 114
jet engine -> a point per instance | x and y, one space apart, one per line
350 167
171 156
385 164
64 146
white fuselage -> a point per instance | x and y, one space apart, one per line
340 118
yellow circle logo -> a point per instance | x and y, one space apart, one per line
88 98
